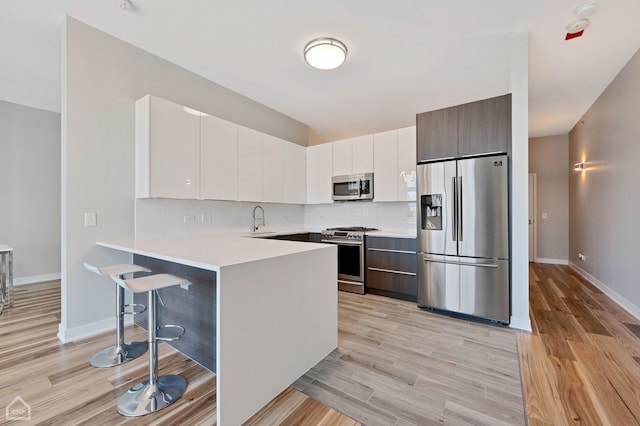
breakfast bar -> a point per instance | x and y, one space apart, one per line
273 313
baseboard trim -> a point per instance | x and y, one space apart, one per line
552 261
523 324
613 295
89 330
36 279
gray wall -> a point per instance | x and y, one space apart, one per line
102 78
30 189
548 159
604 206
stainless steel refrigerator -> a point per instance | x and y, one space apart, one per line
463 237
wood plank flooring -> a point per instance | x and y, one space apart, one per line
61 387
395 365
399 365
580 364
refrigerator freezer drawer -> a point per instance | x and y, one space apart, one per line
478 287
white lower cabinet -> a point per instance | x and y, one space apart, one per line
218 159
319 173
249 164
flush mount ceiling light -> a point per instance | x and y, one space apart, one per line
325 53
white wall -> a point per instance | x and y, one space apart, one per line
548 159
30 190
164 217
102 78
604 201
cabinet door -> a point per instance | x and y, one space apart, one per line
319 172
485 126
362 154
218 159
295 175
249 164
342 157
173 150
385 166
406 177
272 169
437 134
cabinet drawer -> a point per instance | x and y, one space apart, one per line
392 284
399 244
391 260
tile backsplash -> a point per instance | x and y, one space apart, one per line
168 217
389 216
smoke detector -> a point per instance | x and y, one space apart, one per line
585 10
577 26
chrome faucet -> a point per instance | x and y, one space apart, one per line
255 227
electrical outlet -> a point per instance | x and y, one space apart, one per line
207 218
91 219
189 218
544 215
582 257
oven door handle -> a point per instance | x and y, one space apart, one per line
344 243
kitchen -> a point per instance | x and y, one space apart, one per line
120 205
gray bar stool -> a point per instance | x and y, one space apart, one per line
121 352
159 391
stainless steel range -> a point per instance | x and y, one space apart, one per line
350 241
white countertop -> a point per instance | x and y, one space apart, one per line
211 252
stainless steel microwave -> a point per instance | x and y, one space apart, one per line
353 187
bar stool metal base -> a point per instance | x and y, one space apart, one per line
112 356
145 398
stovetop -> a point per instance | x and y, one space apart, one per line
352 229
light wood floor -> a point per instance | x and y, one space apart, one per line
395 365
61 387
399 365
581 364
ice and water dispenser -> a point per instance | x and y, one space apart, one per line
431 207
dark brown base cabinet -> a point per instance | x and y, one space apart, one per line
391 267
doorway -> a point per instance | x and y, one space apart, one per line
532 217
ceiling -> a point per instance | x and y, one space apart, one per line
405 56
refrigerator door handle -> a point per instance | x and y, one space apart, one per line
459 208
454 214
451 262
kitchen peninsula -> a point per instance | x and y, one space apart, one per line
273 311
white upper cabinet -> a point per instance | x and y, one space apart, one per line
295 174
362 154
218 159
249 164
273 169
167 150
352 156
385 166
342 157
407 164
319 173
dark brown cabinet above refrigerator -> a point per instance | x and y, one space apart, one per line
476 128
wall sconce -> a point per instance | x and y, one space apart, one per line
578 167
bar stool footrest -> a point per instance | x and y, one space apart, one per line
170 338
142 308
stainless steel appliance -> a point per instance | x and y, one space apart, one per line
352 187
350 241
463 237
